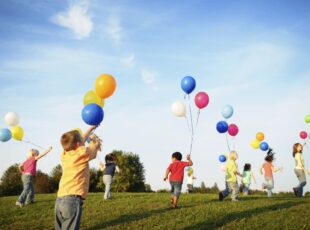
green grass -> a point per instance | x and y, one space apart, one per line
151 211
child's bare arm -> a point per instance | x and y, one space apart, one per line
190 162
87 134
21 168
94 148
275 169
44 153
261 170
117 169
166 175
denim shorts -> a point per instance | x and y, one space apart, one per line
176 188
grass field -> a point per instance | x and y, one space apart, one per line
151 211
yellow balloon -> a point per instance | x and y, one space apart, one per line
105 85
17 133
92 97
79 130
260 136
255 144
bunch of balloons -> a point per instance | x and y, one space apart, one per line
189 170
223 127
92 113
258 143
16 132
303 134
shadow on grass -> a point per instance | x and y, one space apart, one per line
124 219
212 224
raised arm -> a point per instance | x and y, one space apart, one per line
102 166
94 147
190 162
276 169
44 153
87 134
117 169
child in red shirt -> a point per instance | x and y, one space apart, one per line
176 171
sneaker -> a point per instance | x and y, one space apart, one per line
19 204
295 191
221 196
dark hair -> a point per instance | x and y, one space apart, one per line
177 155
269 158
70 139
247 167
110 157
295 148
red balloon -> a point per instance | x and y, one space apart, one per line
303 135
233 130
201 100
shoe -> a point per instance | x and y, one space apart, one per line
263 186
221 196
295 191
19 204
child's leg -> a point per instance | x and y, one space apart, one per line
269 185
226 191
68 212
176 188
30 196
234 190
245 189
302 181
107 180
26 188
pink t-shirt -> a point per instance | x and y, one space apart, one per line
30 166
267 166
176 170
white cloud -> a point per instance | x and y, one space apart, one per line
148 77
114 29
130 60
76 19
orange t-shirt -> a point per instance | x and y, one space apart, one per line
267 166
75 173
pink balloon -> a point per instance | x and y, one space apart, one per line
201 100
303 135
233 130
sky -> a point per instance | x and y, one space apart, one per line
252 55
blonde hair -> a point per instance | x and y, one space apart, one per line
32 153
233 155
69 140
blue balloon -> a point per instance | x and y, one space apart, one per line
264 146
222 126
5 135
188 84
222 158
92 114
227 111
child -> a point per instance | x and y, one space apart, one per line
246 178
74 182
300 169
109 169
28 170
176 171
190 181
231 178
267 170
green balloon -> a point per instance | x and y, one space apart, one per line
307 118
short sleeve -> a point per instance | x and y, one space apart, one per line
185 164
169 167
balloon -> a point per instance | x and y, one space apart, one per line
5 135
227 111
188 84
260 136
11 118
92 114
303 135
17 133
255 144
201 100
178 109
92 98
105 85
307 118
222 126
222 158
264 146
233 130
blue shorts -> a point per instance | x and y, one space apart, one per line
176 188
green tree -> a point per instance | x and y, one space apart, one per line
11 183
42 182
55 176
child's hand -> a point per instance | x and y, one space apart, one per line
165 178
49 148
188 157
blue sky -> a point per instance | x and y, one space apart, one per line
253 55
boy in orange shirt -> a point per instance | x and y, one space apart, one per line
74 182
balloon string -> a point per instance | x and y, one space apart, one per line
191 148
234 141
31 143
227 143
189 129
198 115
190 112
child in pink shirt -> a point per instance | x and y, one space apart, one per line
28 170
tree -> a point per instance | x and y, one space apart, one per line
95 176
11 183
55 176
42 182
148 188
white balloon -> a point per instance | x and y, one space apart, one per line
11 118
178 109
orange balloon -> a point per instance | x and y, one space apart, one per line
260 136
105 85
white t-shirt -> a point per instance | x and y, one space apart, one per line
190 179
299 161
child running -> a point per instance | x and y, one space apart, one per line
74 182
28 170
176 171
109 169
247 175
267 170
231 178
